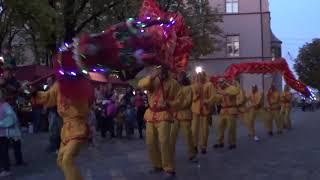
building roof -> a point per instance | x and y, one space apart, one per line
274 39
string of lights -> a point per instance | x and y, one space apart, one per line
132 27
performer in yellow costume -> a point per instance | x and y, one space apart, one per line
228 114
254 107
273 98
242 105
183 117
75 131
286 99
161 91
203 94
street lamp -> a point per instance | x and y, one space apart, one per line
198 69
1 59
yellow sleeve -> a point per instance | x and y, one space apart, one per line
283 97
232 90
211 90
241 98
277 98
219 99
48 98
146 83
174 89
184 98
177 100
195 93
258 101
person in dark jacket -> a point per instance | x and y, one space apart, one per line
130 117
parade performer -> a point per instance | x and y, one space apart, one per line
203 97
273 109
183 117
255 104
286 99
227 117
74 110
162 90
242 105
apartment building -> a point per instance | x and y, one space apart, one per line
247 36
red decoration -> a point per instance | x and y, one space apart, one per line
173 43
149 41
279 65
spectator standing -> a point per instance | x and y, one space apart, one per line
130 117
55 125
140 106
110 114
36 115
6 120
120 119
127 99
92 120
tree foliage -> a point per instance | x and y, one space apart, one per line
307 64
202 21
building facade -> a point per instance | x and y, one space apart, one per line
247 36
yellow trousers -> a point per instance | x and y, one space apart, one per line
200 127
226 121
274 116
185 126
158 145
252 116
285 113
66 159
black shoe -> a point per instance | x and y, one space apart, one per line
270 133
155 170
217 146
231 147
203 151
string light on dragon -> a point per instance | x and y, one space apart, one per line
134 26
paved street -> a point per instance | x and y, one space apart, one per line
292 156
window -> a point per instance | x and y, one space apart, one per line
233 46
232 6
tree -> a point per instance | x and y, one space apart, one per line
7 26
202 21
307 64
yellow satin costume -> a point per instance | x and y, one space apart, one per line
75 130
